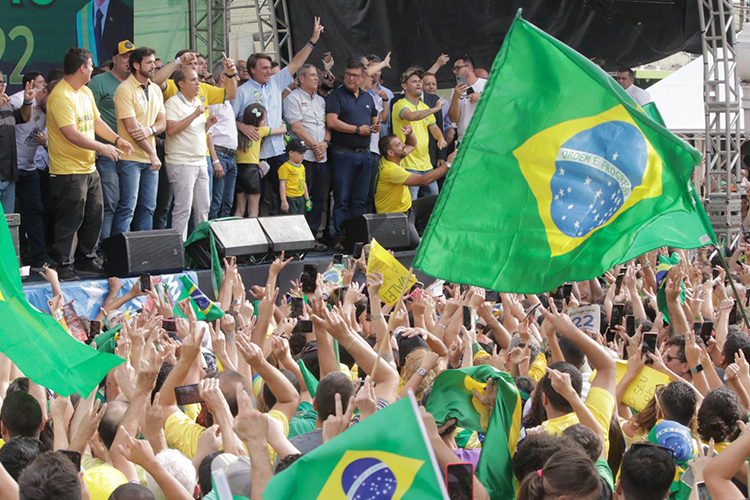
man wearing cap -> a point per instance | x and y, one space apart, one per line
394 181
103 87
140 117
352 116
292 186
411 110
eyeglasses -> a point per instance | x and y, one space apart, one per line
671 358
649 444
352 75
456 69
159 67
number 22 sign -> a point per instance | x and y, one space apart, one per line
586 318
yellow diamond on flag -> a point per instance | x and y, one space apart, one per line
585 173
371 474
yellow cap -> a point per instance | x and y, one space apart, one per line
102 481
124 47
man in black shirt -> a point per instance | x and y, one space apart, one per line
8 120
352 117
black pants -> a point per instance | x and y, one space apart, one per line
29 198
79 209
419 216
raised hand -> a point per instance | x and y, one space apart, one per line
317 30
339 422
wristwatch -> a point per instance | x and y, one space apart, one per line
698 368
356 131
421 372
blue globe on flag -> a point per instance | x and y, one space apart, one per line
368 479
596 171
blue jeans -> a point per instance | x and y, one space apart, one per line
110 192
138 186
419 191
30 198
8 196
210 175
351 183
222 194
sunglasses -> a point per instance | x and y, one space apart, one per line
2 82
242 68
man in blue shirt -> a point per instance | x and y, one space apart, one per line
266 89
352 118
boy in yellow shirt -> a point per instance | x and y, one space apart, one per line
292 187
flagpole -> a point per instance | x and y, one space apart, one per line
386 341
428 444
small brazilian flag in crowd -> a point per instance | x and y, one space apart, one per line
560 170
205 310
663 267
375 459
452 396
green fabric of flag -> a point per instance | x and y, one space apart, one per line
686 230
560 169
205 309
452 396
36 343
310 381
387 453
204 231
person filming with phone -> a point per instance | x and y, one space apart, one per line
466 95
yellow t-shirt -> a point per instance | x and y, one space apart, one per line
131 101
182 433
208 94
294 175
419 159
278 415
67 106
602 405
390 193
102 480
251 154
538 368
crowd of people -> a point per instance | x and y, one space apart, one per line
270 390
139 144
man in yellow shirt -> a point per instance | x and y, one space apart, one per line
72 121
411 110
393 181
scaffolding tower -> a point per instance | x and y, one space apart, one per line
722 108
212 22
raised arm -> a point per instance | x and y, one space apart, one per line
301 56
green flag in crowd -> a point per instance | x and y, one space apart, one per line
452 396
205 309
386 456
36 343
560 170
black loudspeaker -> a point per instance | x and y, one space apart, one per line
288 233
390 230
637 12
14 221
144 252
240 238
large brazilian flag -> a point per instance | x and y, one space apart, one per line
385 457
560 170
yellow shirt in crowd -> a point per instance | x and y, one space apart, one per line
251 154
294 175
602 405
67 106
419 159
390 193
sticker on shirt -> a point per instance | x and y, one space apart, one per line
30 141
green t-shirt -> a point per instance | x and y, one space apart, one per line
602 467
103 87
304 421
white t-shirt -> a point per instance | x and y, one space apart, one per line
467 107
224 131
639 95
189 146
25 132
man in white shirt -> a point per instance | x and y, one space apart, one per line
626 79
465 97
30 137
305 112
186 152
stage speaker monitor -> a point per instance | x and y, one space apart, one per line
14 221
390 230
634 12
241 238
288 233
144 252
